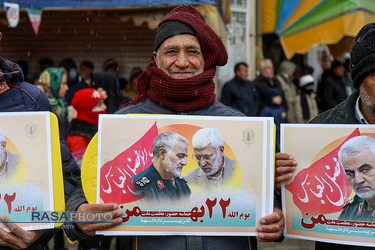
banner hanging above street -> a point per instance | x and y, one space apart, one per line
51 4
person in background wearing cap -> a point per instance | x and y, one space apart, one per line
358 108
180 81
306 106
16 95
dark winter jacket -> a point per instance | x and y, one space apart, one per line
333 91
241 95
273 110
343 113
262 84
19 96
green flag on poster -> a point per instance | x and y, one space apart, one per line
35 16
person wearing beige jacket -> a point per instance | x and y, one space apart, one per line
306 107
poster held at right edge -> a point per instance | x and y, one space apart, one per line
331 195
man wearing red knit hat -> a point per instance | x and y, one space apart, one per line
180 81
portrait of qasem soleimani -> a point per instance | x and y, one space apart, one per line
12 165
161 180
357 158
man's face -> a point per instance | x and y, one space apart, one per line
277 100
180 57
175 160
339 71
85 72
113 69
367 93
267 71
210 160
360 173
242 73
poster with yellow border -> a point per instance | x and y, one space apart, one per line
26 177
331 195
216 190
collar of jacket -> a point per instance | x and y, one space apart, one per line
3 85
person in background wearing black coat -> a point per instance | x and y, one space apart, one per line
240 93
332 89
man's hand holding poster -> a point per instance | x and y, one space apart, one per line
331 196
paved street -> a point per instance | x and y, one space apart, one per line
287 244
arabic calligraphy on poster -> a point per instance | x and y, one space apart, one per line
322 200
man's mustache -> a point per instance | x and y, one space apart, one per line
362 185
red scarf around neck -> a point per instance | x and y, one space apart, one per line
180 95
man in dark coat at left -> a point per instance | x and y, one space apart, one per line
16 95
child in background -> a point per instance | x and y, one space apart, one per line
274 109
89 104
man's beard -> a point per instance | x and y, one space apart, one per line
368 195
171 170
214 167
367 100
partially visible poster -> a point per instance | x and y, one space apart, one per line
331 196
26 184
215 179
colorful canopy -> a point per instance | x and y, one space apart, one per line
302 24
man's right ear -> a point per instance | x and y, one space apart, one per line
155 54
162 153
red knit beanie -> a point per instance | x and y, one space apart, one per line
84 101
